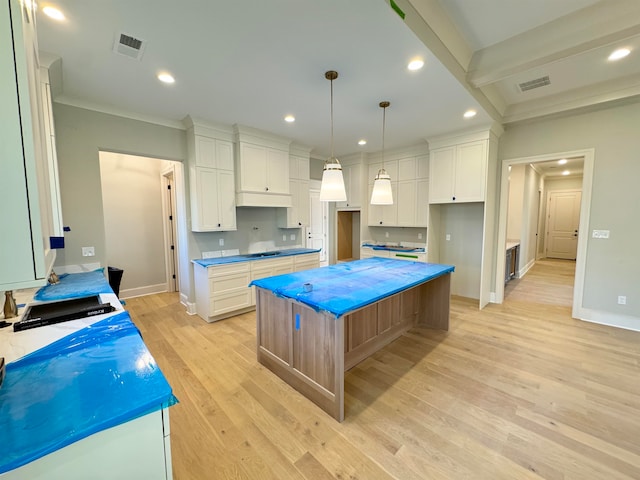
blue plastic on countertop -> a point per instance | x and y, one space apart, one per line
207 262
75 285
94 379
344 287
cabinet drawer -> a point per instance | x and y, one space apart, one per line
232 268
229 283
306 265
411 256
229 302
306 258
271 264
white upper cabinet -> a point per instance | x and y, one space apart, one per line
262 169
352 175
409 185
458 172
28 214
297 216
211 177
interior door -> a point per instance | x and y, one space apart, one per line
316 235
562 224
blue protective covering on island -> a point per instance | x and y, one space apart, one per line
75 285
94 379
344 287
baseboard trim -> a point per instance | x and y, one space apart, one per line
191 307
626 322
141 291
523 271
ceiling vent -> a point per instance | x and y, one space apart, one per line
536 83
129 46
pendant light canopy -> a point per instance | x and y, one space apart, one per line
332 187
382 194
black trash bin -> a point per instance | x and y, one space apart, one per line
115 277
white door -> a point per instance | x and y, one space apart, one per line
562 224
170 229
316 233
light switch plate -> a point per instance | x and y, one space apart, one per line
600 234
88 251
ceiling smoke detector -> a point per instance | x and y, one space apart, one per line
129 46
535 83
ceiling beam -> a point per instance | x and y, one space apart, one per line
436 31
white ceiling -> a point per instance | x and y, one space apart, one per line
253 61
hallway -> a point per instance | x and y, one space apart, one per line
550 281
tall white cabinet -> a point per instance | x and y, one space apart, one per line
211 177
30 213
463 200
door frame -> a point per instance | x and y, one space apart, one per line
583 228
314 185
169 205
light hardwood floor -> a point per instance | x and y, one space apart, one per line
515 391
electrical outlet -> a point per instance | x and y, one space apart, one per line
284 237
88 251
221 242
419 236
622 300
386 234
292 236
448 237
600 234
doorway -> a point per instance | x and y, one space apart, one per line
134 204
588 156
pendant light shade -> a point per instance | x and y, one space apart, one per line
382 193
332 187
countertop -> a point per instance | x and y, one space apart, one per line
512 244
75 378
344 287
207 262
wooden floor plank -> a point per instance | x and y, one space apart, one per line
518 390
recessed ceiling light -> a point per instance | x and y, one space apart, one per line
53 12
566 172
289 118
415 64
362 142
562 162
620 53
470 113
165 77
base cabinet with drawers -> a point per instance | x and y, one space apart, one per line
410 256
223 291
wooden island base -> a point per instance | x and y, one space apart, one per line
311 350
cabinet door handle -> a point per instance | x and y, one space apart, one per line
219 225
454 198
380 223
266 189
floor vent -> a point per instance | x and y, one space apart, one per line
536 83
129 46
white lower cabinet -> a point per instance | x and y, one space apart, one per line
223 290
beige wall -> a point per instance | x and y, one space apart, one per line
612 265
80 135
516 197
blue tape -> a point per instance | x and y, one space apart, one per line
297 321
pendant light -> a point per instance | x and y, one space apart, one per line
382 194
332 187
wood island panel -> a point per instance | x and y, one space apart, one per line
311 350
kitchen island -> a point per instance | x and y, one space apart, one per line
314 325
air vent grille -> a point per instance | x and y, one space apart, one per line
129 46
536 83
